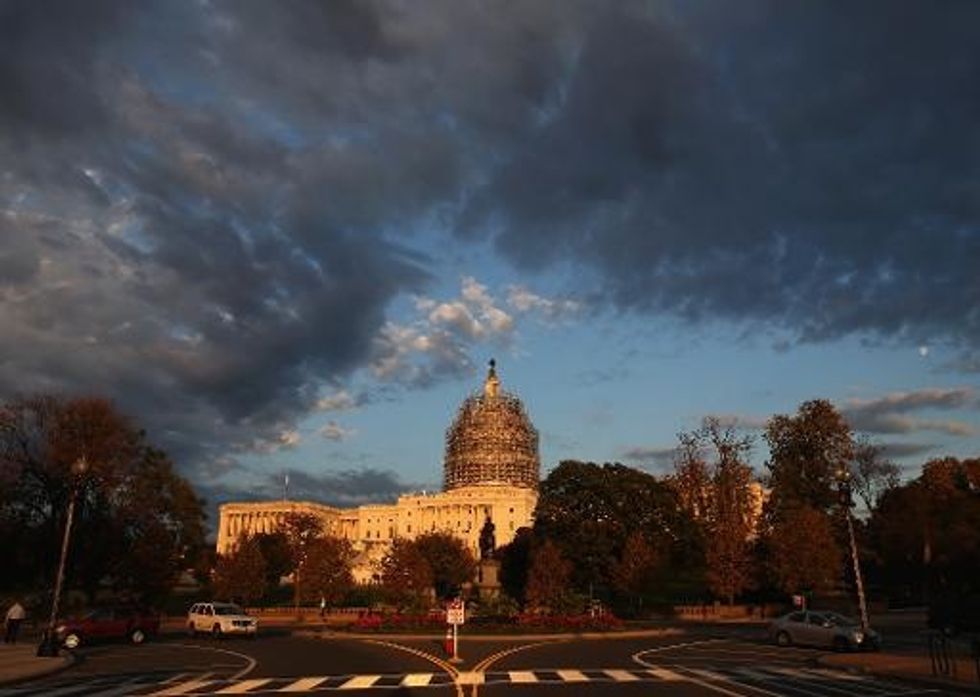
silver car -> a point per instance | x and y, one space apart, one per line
828 629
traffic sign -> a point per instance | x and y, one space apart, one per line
456 612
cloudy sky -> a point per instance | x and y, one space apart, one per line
288 236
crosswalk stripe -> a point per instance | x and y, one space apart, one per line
184 687
303 684
572 676
664 674
621 675
522 676
359 682
243 686
416 680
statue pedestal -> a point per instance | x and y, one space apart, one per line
488 578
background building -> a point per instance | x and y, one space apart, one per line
491 468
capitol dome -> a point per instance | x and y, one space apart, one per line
492 441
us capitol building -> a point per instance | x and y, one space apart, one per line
491 469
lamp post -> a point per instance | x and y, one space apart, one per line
844 490
49 642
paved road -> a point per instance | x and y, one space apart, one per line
697 665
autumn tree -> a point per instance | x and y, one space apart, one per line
240 575
548 577
452 564
926 533
636 568
803 554
300 529
326 569
405 573
806 452
714 484
137 522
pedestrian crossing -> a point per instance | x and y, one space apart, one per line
772 680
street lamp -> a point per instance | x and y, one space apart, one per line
49 642
843 476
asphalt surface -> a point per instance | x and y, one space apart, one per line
733 662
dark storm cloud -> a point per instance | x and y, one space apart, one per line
208 207
346 488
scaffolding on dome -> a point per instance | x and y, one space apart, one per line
491 441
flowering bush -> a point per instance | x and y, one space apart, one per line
570 622
389 621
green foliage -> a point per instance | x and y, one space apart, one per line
450 561
240 576
589 511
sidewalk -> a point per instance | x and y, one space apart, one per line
908 666
20 662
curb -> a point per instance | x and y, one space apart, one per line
67 661
589 636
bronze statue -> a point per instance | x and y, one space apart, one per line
488 541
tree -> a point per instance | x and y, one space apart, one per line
451 562
326 569
278 557
635 569
718 494
515 560
926 533
589 510
803 554
405 573
240 576
300 529
873 474
548 577
137 523
806 451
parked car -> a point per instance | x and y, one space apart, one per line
219 619
120 622
829 629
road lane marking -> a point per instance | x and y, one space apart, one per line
620 675
447 667
416 680
522 677
664 674
243 686
359 682
250 662
572 676
185 687
707 674
470 677
303 684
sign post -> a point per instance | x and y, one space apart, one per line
455 616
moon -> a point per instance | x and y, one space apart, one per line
923 351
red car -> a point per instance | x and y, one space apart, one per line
130 623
